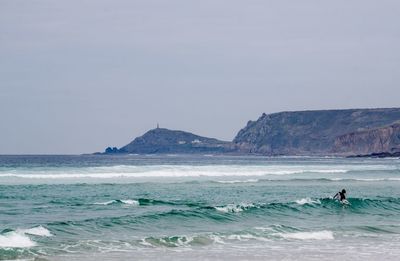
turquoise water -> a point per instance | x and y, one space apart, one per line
198 208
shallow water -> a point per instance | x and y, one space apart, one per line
198 208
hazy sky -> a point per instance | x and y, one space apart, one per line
79 75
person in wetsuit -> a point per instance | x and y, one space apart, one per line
341 195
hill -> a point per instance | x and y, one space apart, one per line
160 140
321 132
344 132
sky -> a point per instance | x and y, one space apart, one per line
77 76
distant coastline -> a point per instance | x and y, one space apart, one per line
348 133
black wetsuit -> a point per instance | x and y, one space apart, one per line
340 195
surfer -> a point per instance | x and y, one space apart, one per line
341 195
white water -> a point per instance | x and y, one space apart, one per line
20 238
124 201
232 208
14 239
228 174
130 171
317 235
304 201
37 231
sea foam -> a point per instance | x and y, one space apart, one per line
130 202
37 231
20 238
127 171
309 201
317 235
115 201
14 239
238 181
233 208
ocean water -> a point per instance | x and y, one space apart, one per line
198 208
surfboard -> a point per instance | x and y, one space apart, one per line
345 202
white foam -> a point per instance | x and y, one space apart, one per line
130 202
246 237
310 201
144 242
238 181
318 235
217 239
37 231
124 201
229 173
105 203
232 208
184 240
367 179
176 241
15 240
154 171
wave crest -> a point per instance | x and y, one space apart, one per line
20 237
119 201
304 201
317 235
232 208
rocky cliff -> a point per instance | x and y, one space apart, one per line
374 141
324 132
162 140
319 132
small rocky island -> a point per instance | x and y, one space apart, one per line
353 132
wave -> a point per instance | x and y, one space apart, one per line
172 241
317 235
197 239
156 171
304 204
232 208
365 179
161 174
205 239
294 179
186 212
119 201
238 181
15 240
146 202
263 234
37 231
20 237
304 201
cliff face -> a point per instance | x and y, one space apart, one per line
170 141
312 132
327 132
380 140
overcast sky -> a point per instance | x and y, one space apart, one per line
79 75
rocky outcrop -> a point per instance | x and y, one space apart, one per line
368 142
160 140
378 155
112 150
312 132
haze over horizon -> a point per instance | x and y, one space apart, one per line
78 76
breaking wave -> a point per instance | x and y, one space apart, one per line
127 171
20 238
308 201
317 235
119 201
233 208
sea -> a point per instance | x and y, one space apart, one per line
205 207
